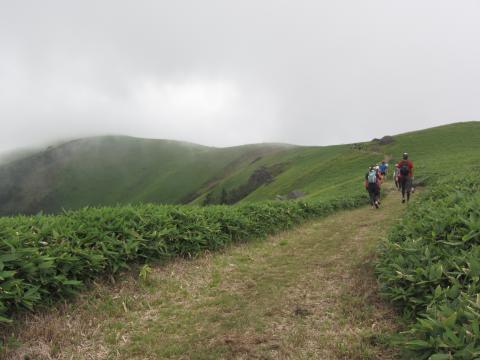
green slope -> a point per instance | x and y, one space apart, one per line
324 172
111 170
455 146
115 169
317 171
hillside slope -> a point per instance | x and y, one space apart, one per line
116 170
440 149
119 170
324 172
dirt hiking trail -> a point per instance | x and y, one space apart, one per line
308 293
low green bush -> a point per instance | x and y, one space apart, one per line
430 268
45 258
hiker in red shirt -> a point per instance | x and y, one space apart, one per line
405 175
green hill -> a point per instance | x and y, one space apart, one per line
119 170
327 172
116 170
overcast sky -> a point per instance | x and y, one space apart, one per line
232 72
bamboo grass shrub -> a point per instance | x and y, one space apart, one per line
45 258
430 268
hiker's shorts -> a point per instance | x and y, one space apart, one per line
373 192
373 189
406 183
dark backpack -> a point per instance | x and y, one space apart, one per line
404 169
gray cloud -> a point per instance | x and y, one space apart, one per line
225 73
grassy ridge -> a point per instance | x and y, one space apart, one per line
44 258
116 170
121 170
430 268
445 149
317 171
323 172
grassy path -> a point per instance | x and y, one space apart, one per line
308 293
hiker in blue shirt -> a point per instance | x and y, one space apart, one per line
383 169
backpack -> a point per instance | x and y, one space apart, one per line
372 177
404 169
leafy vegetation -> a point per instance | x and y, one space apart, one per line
295 294
44 258
430 268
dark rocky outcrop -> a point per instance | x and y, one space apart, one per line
295 194
261 176
384 140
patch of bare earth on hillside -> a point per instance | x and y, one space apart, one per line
76 330
45 335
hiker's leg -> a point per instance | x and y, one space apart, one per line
372 190
403 185
409 188
372 197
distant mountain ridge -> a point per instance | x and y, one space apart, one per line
116 170
110 170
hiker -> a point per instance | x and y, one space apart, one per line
383 169
377 169
372 185
405 175
396 175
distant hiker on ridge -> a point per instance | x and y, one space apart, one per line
405 170
383 169
372 185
